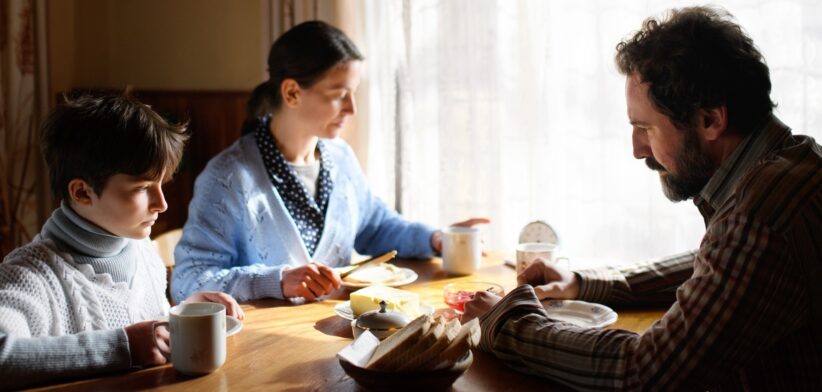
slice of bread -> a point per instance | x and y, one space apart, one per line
429 356
410 359
396 346
467 338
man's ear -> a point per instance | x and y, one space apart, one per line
80 192
290 91
713 123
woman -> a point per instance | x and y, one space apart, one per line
275 211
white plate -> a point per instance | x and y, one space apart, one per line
538 231
581 313
409 277
343 309
232 324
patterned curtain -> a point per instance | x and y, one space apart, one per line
24 200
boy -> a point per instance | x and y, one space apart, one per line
81 298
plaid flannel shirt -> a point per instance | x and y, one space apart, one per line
746 305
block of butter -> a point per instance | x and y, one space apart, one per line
369 298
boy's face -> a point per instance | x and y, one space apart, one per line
127 207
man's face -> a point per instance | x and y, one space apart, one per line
127 207
684 168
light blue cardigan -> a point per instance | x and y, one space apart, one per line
239 235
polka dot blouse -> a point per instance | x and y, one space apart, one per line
308 213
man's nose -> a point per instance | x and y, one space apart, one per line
639 139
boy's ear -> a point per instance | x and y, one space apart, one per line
290 91
80 192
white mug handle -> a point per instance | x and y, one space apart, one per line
560 260
154 327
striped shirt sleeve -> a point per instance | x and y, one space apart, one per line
649 282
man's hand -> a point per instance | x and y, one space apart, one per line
477 306
310 281
232 308
436 238
141 344
550 280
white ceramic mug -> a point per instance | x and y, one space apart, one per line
461 250
527 252
197 337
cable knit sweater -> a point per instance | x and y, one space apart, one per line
62 313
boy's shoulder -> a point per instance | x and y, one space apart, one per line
35 263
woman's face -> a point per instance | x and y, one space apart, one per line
325 106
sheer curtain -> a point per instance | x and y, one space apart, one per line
514 110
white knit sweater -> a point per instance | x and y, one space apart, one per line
44 293
62 314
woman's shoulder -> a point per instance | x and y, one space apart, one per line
234 166
341 152
236 156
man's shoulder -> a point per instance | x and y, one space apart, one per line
782 185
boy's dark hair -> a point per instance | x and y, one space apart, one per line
303 53
699 58
95 136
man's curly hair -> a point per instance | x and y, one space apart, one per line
698 58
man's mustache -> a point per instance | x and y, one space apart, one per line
653 164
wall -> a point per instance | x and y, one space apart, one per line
156 44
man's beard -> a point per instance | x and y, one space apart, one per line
694 170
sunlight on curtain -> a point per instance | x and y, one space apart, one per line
514 110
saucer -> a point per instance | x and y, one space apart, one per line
343 309
581 313
409 276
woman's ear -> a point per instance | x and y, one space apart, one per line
80 192
713 122
290 91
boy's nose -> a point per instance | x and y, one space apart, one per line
158 201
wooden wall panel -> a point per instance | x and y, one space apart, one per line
215 119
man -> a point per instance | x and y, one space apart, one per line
746 304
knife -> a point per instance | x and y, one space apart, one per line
345 271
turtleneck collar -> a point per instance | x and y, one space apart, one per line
80 235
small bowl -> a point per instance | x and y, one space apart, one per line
428 380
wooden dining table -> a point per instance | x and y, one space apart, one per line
292 347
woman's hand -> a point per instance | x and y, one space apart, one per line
436 238
232 308
479 305
310 281
550 280
141 338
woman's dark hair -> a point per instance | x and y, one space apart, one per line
95 136
304 53
699 58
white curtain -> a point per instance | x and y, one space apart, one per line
514 110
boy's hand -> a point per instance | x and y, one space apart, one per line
232 308
144 351
550 280
310 281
